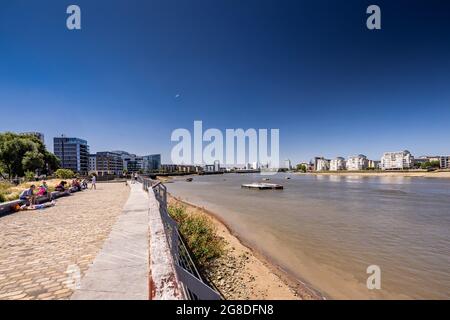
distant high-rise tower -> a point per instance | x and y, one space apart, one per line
216 166
151 162
73 153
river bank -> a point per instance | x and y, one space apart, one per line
418 174
327 229
245 274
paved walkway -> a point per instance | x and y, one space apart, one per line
42 253
121 269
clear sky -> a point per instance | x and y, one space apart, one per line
139 69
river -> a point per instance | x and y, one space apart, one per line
326 230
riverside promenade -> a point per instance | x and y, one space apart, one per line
104 244
121 269
44 252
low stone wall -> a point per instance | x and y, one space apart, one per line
163 280
8 207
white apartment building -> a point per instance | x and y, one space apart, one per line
92 164
287 164
445 162
374 164
358 162
337 164
322 165
397 160
216 165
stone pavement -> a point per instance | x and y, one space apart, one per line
121 269
42 252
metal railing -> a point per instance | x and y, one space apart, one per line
193 285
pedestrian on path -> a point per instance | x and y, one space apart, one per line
94 182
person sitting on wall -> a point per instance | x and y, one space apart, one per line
27 195
76 186
43 190
61 187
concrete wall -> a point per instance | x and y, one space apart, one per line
164 284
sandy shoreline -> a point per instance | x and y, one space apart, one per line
420 174
244 273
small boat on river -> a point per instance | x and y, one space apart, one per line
262 186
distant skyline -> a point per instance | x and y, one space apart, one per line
139 70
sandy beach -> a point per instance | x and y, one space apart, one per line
39 249
245 274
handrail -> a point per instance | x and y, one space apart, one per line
193 285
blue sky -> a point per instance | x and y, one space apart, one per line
309 68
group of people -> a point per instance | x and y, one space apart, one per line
75 185
30 194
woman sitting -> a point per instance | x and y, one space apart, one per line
43 190
61 187
76 186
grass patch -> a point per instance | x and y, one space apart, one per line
10 192
200 234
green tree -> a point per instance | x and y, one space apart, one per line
29 176
435 164
12 151
430 164
22 152
52 162
32 161
301 167
425 165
